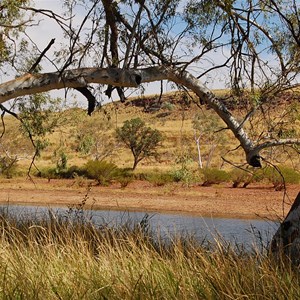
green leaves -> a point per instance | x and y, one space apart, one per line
36 114
38 119
11 23
140 139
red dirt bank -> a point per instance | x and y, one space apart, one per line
253 202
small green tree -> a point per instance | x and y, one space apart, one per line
92 135
140 139
39 117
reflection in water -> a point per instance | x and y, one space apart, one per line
237 231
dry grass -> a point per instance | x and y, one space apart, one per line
60 259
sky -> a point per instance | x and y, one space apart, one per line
47 29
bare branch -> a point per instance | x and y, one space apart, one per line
14 26
89 96
274 143
129 44
37 83
41 56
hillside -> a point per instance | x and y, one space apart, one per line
79 137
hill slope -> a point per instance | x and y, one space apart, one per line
182 122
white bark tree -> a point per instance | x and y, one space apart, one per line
254 45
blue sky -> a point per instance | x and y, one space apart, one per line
48 29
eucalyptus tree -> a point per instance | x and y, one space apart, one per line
251 45
140 139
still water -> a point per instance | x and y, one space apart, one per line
246 232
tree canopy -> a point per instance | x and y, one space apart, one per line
140 139
99 46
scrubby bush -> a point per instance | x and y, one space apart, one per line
140 175
124 177
62 161
183 175
280 176
47 172
159 178
239 176
54 172
186 173
85 143
102 171
72 172
8 167
214 176
244 178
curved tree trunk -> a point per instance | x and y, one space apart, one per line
286 241
80 78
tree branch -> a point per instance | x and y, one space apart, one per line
90 98
79 78
275 143
29 84
41 56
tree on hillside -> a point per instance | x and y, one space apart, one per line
140 139
93 137
206 132
252 46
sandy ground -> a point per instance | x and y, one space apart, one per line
217 201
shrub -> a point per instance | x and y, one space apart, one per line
214 176
186 172
281 176
72 172
239 176
54 172
124 177
183 175
140 176
159 178
103 172
8 166
85 143
48 172
62 160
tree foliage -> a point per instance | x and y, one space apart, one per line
139 138
38 117
91 136
12 24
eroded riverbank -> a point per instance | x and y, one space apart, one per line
256 201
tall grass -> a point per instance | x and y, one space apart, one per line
60 258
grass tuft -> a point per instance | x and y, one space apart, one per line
69 258
214 176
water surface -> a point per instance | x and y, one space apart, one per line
246 232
